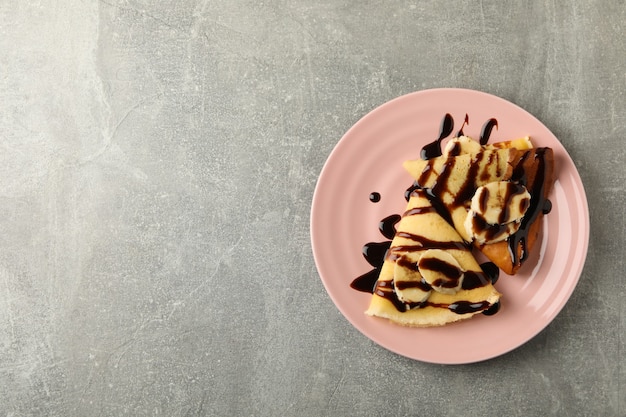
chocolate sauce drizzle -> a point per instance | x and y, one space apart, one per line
387 226
409 191
547 206
374 253
386 290
465 192
433 149
538 203
485 133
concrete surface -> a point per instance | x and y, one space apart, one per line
156 157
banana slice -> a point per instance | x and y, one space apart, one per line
441 271
496 211
408 282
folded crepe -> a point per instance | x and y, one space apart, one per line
460 179
429 276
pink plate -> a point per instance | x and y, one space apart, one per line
369 159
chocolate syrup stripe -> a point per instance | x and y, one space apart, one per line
538 203
419 210
451 272
386 290
403 285
387 226
485 133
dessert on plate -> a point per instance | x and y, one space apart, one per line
496 195
491 197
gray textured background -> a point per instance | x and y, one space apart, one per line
158 158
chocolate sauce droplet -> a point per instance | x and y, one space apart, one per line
547 207
375 197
